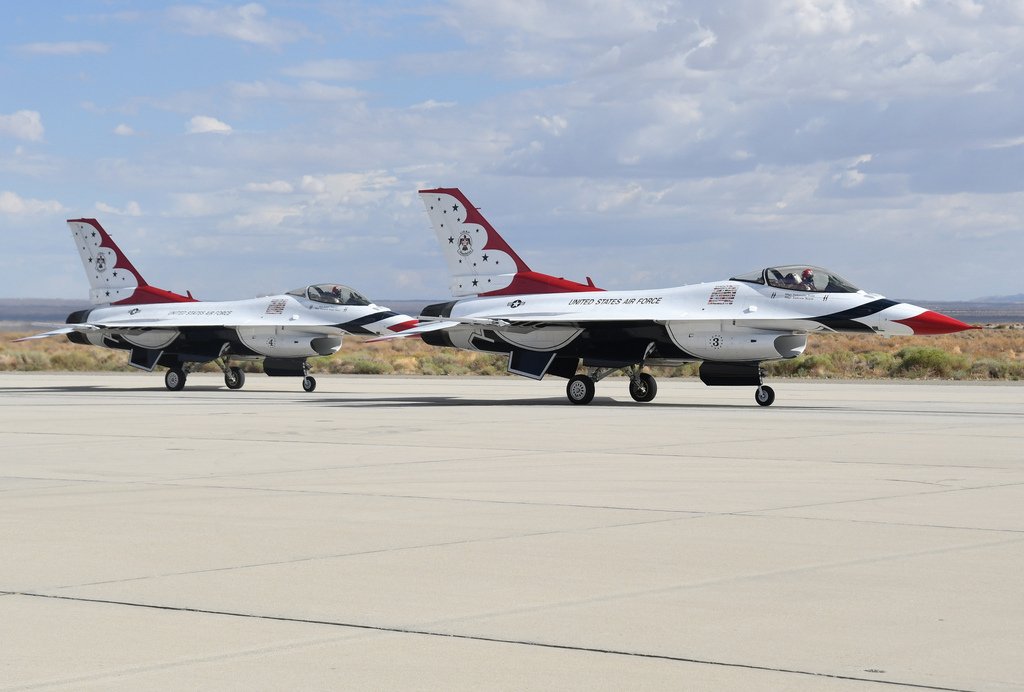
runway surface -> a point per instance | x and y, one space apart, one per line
483 533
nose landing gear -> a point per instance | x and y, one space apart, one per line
764 396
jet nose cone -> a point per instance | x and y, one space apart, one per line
929 322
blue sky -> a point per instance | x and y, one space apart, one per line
244 149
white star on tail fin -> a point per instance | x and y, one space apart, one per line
112 277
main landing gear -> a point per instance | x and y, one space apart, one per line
234 376
174 379
642 386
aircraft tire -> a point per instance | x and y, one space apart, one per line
764 396
644 388
234 378
308 383
580 389
174 379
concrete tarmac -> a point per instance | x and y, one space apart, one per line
482 533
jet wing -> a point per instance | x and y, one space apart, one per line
67 329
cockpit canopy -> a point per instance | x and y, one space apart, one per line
336 294
799 277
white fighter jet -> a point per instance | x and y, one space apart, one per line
549 325
178 332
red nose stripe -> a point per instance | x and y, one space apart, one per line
929 322
402 326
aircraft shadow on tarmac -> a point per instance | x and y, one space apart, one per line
380 402
455 401
548 401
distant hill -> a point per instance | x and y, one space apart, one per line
977 312
20 314
1019 298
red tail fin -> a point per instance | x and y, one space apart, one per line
113 279
479 259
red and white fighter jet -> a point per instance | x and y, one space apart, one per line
550 325
178 332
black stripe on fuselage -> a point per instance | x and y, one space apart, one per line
846 321
358 326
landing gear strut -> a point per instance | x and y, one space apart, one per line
642 386
308 382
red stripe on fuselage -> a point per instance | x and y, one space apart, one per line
533 282
144 295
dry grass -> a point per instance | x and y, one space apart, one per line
996 353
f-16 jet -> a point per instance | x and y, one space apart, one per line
178 332
551 326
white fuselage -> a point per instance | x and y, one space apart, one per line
281 326
722 320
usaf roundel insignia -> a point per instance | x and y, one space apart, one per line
465 245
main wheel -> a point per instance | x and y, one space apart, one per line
644 388
580 389
234 378
174 379
308 383
764 395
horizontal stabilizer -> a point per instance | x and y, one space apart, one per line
61 330
421 328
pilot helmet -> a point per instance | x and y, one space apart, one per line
808 275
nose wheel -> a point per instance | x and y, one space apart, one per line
234 378
764 396
308 383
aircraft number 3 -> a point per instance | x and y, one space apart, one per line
716 341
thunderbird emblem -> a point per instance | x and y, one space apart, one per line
465 243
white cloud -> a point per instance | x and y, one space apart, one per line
431 104
305 91
22 125
124 130
264 219
330 70
348 188
204 124
247 23
14 204
555 125
65 48
130 209
276 186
